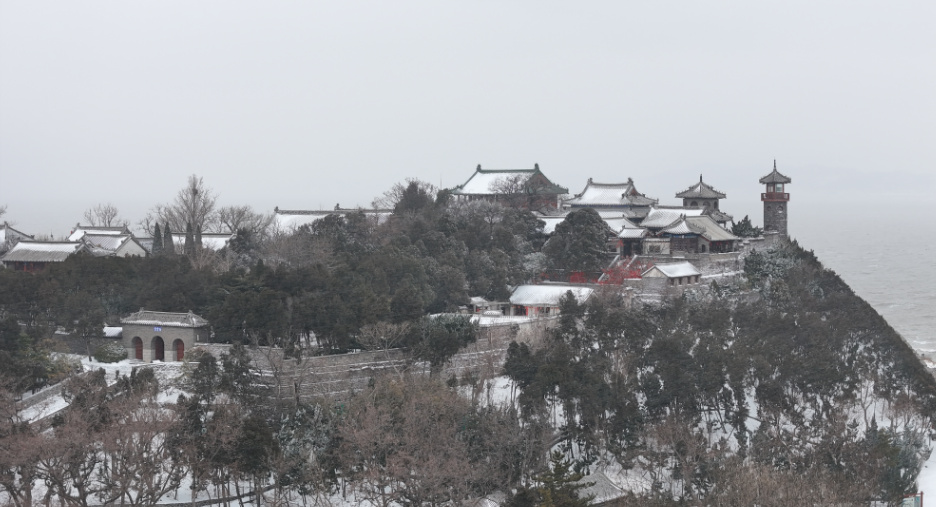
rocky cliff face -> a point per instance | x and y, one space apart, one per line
786 374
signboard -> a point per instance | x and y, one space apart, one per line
157 329
913 500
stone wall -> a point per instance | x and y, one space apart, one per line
341 374
775 216
707 263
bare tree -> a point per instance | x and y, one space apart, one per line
142 465
18 457
519 191
71 455
236 218
391 198
383 335
104 215
194 204
400 444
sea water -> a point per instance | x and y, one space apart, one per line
886 254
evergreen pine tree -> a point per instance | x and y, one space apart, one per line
157 240
745 229
168 244
561 485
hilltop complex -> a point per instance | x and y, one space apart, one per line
651 250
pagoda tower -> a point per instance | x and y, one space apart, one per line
700 195
775 201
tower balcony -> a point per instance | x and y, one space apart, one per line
775 197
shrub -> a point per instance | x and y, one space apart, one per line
110 352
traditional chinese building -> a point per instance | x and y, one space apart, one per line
523 188
122 245
32 256
618 197
703 196
543 300
699 234
162 336
675 273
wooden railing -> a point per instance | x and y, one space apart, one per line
775 196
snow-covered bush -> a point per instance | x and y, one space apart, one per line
110 352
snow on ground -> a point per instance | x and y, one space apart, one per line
167 373
500 391
926 481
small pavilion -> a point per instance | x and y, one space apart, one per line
162 336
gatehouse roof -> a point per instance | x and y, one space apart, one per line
168 319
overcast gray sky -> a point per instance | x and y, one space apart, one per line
309 104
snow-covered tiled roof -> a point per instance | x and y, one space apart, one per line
41 251
82 230
615 220
551 222
659 218
700 190
547 295
146 243
106 242
168 319
628 233
8 233
675 269
775 176
626 229
610 195
719 216
710 229
486 181
210 241
290 220
680 227
112 331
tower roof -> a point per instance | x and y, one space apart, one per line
775 176
700 190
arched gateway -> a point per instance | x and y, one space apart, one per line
162 336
